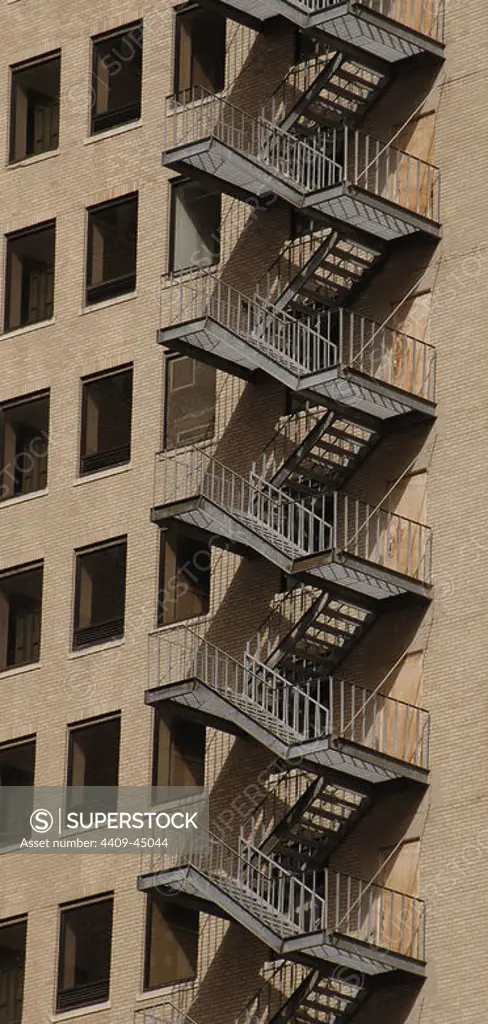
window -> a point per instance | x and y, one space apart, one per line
17 768
171 943
106 421
20 616
84 954
195 226
34 107
100 594
117 78
24 427
184 576
189 401
200 51
29 292
179 750
112 249
93 758
13 941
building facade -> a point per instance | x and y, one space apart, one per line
234 456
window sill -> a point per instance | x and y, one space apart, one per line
37 158
183 623
81 1011
153 994
19 499
184 449
107 303
19 670
102 474
106 645
18 331
109 133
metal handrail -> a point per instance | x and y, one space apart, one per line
294 715
293 527
310 345
333 156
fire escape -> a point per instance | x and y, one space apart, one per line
338 744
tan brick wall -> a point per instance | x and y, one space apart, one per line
448 109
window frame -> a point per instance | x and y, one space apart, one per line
174 185
109 285
10 237
102 37
25 65
12 403
91 379
13 922
169 358
191 7
89 723
179 531
171 716
17 570
64 908
78 554
151 898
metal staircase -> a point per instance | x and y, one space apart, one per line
313 451
328 725
304 817
308 627
325 90
336 919
295 995
320 266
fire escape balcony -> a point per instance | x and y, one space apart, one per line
335 919
389 29
335 357
341 175
334 541
328 724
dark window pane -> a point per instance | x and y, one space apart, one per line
171 943
112 249
179 751
24 427
84 955
200 51
184 590
20 617
117 78
106 422
34 112
13 939
100 595
30 277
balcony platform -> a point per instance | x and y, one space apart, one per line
326 755
353 26
249 178
225 896
245 353
334 570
